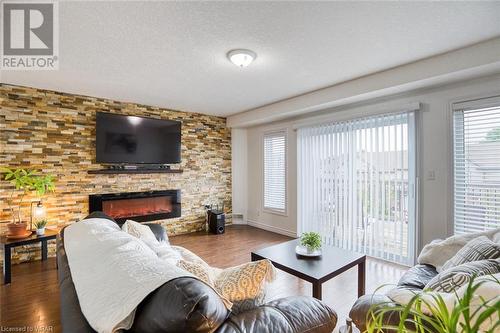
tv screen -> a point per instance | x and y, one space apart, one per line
136 140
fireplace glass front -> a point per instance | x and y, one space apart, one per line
138 206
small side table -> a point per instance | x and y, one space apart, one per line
9 243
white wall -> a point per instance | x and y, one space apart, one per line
466 63
435 155
239 172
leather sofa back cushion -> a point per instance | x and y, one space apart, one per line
417 276
181 305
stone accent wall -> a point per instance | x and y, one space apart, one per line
55 132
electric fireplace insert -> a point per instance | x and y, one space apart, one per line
138 206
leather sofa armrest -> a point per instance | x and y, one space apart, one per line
184 304
360 312
297 314
417 276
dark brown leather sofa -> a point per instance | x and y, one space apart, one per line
415 279
188 305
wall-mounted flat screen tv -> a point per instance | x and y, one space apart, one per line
124 139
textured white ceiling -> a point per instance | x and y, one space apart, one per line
172 54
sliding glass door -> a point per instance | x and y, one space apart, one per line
356 184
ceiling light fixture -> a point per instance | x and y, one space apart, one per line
241 57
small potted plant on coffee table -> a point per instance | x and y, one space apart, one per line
310 244
40 227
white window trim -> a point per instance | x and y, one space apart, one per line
452 102
456 104
268 209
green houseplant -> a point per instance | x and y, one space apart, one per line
428 312
24 181
40 227
311 241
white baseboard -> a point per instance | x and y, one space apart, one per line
267 227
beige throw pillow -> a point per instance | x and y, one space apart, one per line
199 270
162 249
243 285
140 231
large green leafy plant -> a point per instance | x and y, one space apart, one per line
26 181
429 313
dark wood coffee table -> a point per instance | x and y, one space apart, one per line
9 243
332 262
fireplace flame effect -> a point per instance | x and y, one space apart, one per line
123 208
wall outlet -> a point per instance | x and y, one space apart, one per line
431 175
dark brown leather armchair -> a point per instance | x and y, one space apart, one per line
188 305
415 278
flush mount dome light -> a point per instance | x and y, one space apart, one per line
241 57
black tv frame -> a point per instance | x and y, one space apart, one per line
141 165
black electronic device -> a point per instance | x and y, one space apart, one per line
216 221
131 140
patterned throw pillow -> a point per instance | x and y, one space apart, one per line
455 277
190 256
244 285
241 286
199 270
479 248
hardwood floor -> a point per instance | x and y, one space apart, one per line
32 299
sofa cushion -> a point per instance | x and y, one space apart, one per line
296 314
479 248
417 276
455 277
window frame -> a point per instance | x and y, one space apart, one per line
463 103
271 210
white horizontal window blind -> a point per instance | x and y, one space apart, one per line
275 172
357 184
476 165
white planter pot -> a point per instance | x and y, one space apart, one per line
40 232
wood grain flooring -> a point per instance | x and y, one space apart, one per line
32 299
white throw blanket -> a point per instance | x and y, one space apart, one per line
112 272
439 251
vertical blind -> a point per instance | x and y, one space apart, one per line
357 184
275 172
476 160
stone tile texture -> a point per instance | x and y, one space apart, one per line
55 132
